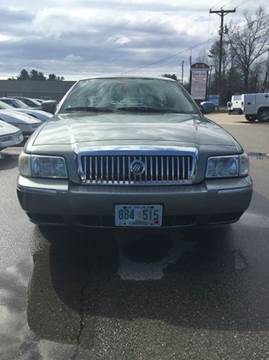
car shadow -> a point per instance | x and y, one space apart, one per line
8 162
253 122
78 277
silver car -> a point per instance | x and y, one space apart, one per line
26 123
9 135
37 114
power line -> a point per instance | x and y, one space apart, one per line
180 52
217 4
170 56
116 58
242 2
237 6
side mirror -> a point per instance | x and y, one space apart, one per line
202 109
49 106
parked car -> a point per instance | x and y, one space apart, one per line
38 114
32 103
127 152
24 122
236 105
207 107
9 135
256 106
42 100
16 103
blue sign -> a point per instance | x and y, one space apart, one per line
214 99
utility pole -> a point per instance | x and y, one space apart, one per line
264 87
221 13
182 72
190 71
209 78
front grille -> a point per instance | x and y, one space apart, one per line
117 169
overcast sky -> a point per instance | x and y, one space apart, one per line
80 38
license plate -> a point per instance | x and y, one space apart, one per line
138 215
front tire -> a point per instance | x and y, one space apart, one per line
263 114
250 118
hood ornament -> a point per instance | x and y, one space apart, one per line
137 167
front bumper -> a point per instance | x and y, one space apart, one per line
61 203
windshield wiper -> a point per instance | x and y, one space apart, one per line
88 108
145 109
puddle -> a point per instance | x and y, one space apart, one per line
140 261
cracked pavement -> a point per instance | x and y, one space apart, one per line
79 294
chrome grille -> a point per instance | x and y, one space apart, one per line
115 169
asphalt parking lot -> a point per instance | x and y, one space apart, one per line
79 294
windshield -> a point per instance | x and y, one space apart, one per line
128 94
19 104
237 97
29 102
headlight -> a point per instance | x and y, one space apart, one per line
227 166
20 136
41 166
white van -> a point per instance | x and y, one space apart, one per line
256 106
236 104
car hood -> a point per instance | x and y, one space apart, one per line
7 129
14 117
86 129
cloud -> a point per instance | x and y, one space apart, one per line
14 20
73 58
120 39
4 37
78 37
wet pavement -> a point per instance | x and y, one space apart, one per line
81 294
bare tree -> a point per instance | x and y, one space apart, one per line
213 56
202 57
248 42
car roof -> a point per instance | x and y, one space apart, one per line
22 97
10 98
129 77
